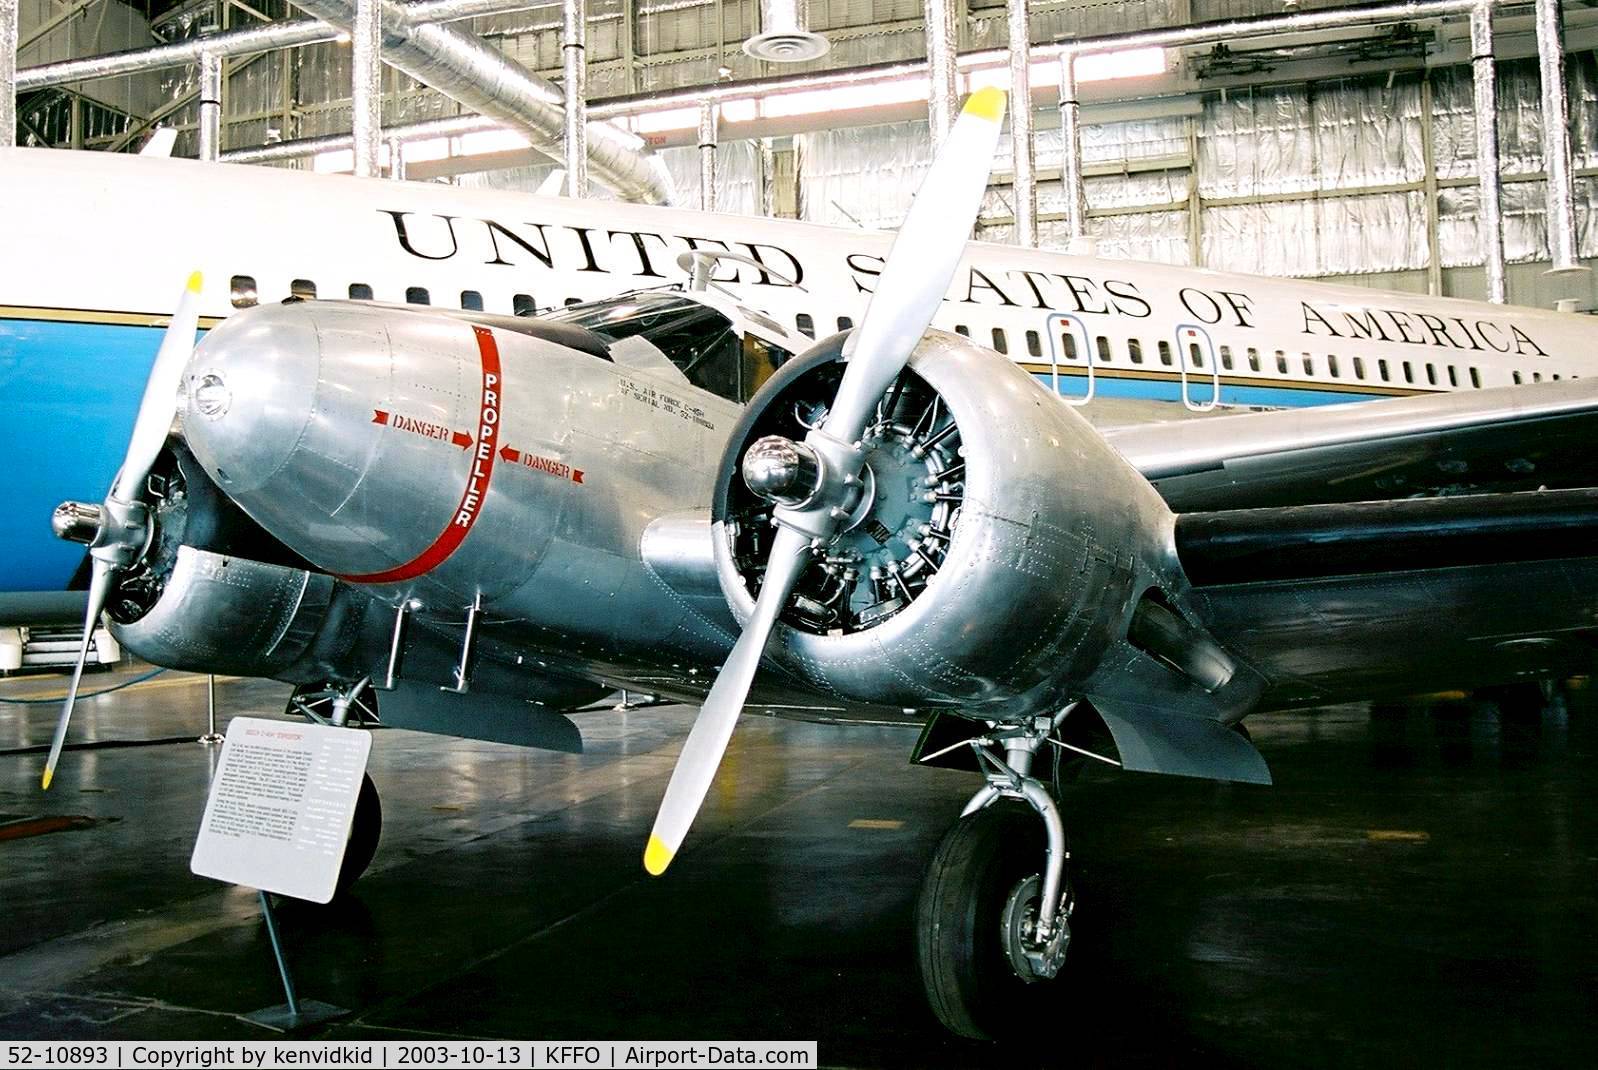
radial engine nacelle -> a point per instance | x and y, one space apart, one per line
999 555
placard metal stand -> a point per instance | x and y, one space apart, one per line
296 1013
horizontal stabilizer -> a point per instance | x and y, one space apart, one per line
1153 740
495 718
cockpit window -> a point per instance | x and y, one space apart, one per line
699 340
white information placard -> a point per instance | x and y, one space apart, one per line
279 814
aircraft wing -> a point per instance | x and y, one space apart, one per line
1475 441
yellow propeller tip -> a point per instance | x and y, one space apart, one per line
194 282
657 856
986 103
44 784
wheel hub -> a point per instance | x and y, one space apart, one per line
1031 959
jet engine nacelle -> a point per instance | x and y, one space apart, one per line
997 552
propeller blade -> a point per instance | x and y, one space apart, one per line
99 587
921 264
160 403
707 742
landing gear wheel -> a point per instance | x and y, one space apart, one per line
365 829
974 901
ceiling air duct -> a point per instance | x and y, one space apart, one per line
784 38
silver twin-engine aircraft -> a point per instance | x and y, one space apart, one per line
473 522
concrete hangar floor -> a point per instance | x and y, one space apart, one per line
1419 886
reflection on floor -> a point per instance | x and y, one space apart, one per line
1418 884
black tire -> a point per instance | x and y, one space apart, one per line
968 978
366 827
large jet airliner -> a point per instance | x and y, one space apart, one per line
100 242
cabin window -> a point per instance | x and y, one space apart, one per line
1409 372
844 323
1453 376
1331 366
1034 344
1475 378
1104 348
522 304
806 325
1068 340
243 290
1431 374
1134 350
1536 377
471 301
570 301
359 291
1000 343
960 328
1226 357
304 289
1281 362
1515 376
1165 353
1253 359
1359 368
417 295
1381 369
1309 364
1195 354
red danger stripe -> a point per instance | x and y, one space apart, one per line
471 504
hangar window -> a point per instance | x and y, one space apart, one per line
1381 369
1104 348
1359 368
471 301
1226 357
1331 366
1165 353
1475 378
243 291
1253 359
844 323
522 304
1431 374
1134 349
304 289
1453 376
1000 343
806 325
359 291
1034 344
417 295
1195 354
1281 362
1409 372
701 341
961 328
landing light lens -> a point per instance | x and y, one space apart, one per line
212 397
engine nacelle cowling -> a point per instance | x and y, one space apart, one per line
998 552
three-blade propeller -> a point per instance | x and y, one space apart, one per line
913 282
123 529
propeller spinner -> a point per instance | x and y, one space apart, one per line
118 530
816 485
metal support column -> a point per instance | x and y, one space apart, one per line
1026 179
768 179
366 87
1490 213
1428 152
1071 155
210 131
943 89
1556 139
574 56
396 159
709 115
8 73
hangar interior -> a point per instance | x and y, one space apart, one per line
1422 877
